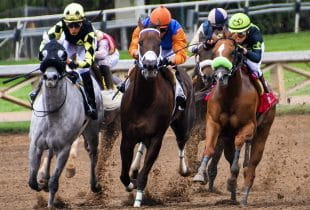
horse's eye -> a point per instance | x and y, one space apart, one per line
140 42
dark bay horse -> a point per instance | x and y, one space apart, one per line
148 109
232 114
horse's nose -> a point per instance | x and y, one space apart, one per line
149 64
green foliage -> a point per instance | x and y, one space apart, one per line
293 109
14 127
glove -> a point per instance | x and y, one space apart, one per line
73 65
195 50
242 50
164 62
73 76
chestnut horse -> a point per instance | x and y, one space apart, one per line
148 109
232 114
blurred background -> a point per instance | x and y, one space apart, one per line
119 17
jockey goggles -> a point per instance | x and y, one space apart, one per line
74 25
218 28
241 34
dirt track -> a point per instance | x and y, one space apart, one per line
282 178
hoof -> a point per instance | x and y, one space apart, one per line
34 186
200 178
96 188
184 173
70 172
137 204
243 202
130 187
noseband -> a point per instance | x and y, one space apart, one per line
150 54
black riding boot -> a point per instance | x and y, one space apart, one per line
264 83
90 94
36 91
107 76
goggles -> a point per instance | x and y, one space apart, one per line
241 34
74 25
218 28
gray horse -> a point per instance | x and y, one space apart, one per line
58 118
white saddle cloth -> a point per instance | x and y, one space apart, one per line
108 103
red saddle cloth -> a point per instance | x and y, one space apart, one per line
266 101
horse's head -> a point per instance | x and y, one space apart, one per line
226 58
204 63
53 62
149 52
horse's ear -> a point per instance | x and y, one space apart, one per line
226 34
140 24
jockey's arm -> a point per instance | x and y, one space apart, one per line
103 49
53 33
133 48
254 52
195 39
179 47
89 45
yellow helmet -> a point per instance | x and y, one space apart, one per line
74 12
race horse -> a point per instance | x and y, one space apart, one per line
148 109
58 118
232 116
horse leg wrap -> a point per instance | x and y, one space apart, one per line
201 175
138 199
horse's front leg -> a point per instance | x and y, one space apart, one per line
150 157
126 149
244 134
70 167
53 184
135 166
44 172
212 133
35 155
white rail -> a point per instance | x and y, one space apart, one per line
123 65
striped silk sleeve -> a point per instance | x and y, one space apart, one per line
53 33
89 44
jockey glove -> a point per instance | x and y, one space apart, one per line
195 50
73 76
73 65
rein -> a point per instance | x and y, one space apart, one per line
45 113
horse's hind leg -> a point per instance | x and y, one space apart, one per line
91 146
181 138
35 155
126 150
70 167
44 172
53 184
150 157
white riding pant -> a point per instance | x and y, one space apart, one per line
255 67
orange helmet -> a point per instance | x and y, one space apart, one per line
160 16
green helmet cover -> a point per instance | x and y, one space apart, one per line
239 22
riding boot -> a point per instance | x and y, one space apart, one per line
107 76
36 91
264 83
90 94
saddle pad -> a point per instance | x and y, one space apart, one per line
108 103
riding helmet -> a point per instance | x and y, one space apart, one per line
239 22
161 16
74 12
217 17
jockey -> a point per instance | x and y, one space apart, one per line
250 40
173 41
212 28
79 40
106 56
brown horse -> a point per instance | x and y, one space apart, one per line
232 114
148 109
